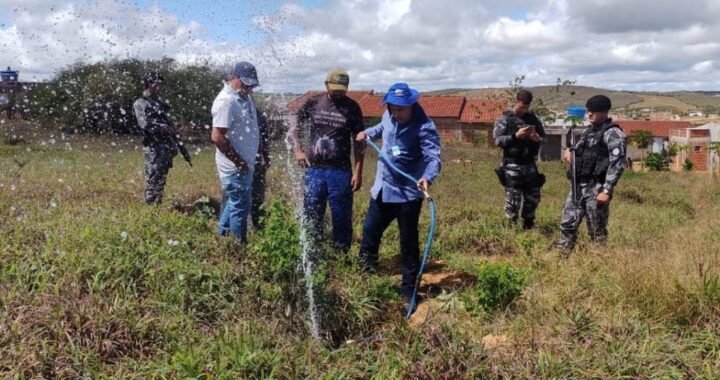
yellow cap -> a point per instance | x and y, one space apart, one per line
337 80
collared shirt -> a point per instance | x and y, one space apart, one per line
413 148
237 114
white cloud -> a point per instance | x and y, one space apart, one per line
703 67
530 35
390 12
634 44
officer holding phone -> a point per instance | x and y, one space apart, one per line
519 132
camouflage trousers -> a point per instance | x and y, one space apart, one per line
586 207
158 161
522 192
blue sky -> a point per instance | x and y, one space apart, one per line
224 20
4 20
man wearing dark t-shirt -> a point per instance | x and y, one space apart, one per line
326 128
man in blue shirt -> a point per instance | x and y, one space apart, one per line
411 143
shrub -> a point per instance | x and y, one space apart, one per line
499 284
688 165
656 162
277 246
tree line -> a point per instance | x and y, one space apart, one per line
98 97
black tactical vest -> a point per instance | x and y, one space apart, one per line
156 112
520 151
592 158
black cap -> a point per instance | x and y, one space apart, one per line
151 77
598 103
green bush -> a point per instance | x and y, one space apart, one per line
499 284
99 97
688 165
277 246
657 161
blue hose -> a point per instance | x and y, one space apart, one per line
431 233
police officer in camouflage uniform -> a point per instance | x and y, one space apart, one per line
599 162
159 145
519 132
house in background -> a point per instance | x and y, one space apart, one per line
478 119
557 137
660 131
456 117
713 156
372 109
295 105
714 129
698 142
445 111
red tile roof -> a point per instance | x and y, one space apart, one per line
442 106
434 106
358 95
298 102
483 110
657 128
371 106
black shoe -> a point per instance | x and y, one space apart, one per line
528 224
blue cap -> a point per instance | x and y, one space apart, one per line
247 73
400 94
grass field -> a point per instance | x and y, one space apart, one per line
94 284
553 99
662 102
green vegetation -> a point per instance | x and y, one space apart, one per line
93 283
498 285
688 165
642 140
657 161
99 97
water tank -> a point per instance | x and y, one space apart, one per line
9 75
576 111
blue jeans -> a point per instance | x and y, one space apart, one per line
379 216
237 190
329 185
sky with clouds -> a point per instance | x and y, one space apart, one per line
657 45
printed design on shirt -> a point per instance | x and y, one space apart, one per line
324 148
329 118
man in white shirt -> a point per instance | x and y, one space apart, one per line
236 137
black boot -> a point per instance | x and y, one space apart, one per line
528 224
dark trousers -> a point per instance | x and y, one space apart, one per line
379 217
325 186
258 197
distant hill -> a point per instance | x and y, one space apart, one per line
678 101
